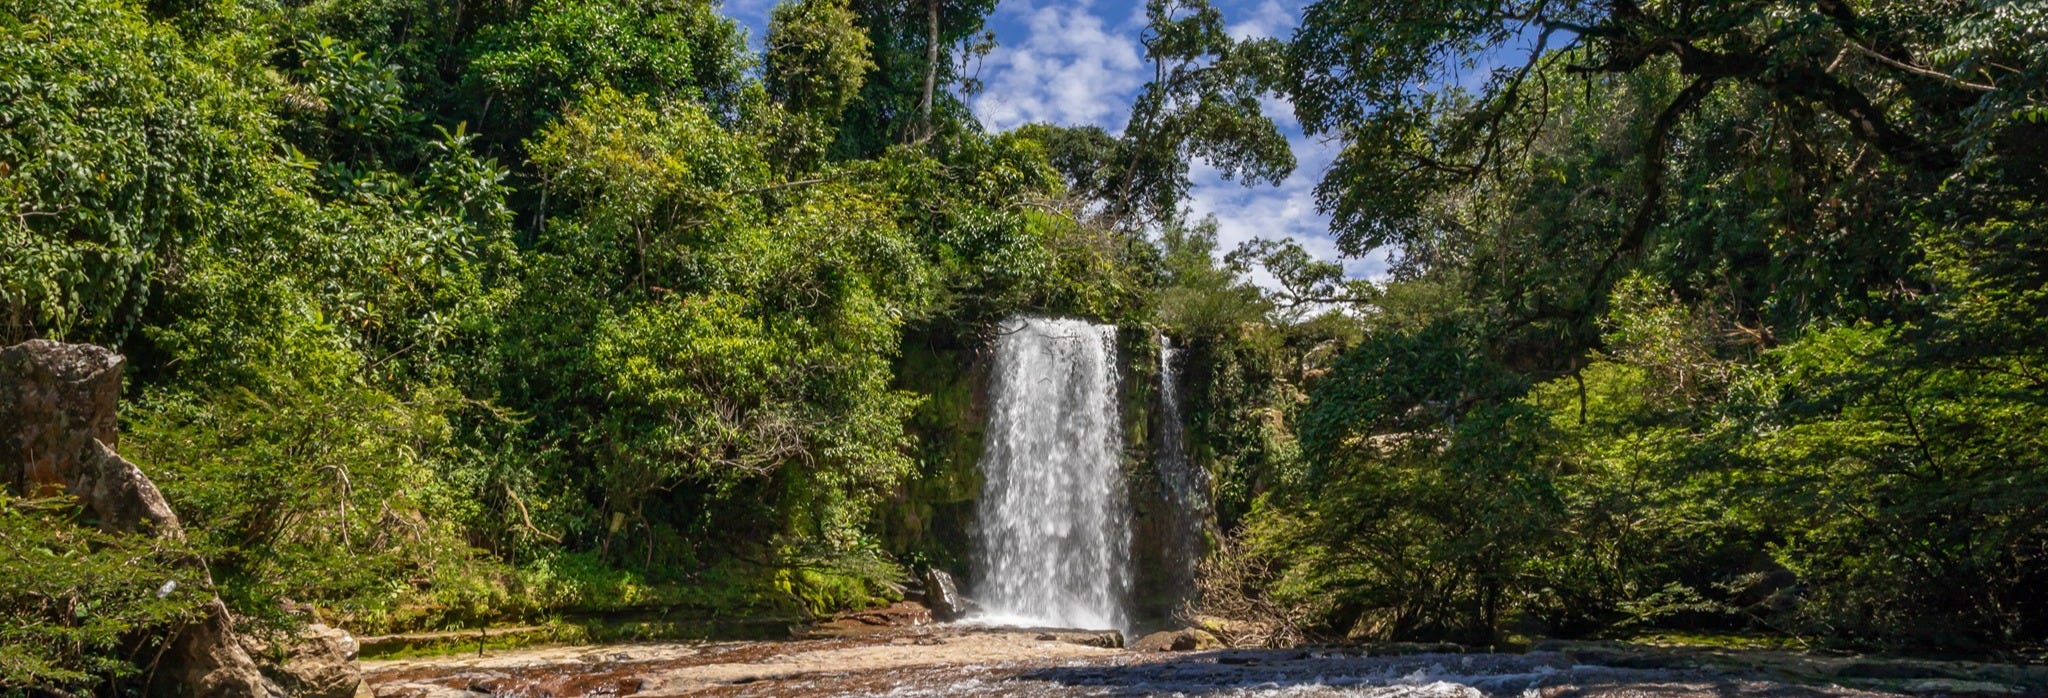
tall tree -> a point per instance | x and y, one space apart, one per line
1905 78
923 52
1203 102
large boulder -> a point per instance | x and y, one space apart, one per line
58 429
57 399
60 400
123 499
942 594
318 662
206 658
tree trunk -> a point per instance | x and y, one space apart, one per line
931 69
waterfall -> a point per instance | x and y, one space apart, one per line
1187 487
1054 523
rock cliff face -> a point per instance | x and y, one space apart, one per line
60 402
58 430
319 663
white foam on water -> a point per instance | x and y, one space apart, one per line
1186 485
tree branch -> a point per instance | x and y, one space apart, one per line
524 518
1655 153
1917 70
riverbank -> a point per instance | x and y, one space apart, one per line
947 660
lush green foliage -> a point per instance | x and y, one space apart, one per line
1203 103
73 594
817 58
1718 315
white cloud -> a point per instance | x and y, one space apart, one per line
1283 211
1070 68
1078 64
1287 210
1268 18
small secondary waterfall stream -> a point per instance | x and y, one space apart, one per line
1187 486
1054 521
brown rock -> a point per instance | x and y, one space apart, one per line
123 498
59 399
206 659
318 662
1222 628
942 594
1106 639
1183 640
57 434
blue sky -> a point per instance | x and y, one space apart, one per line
1077 63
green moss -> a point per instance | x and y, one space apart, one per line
926 522
583 586
1728 641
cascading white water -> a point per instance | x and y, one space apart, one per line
1187 486
1054 522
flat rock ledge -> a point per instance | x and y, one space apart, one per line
941 660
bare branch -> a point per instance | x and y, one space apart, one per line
1917 70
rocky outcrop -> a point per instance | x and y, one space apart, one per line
206 658
1106 639
122 497
60 402
58 399
58 429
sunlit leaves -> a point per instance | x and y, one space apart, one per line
118 145
1425 489
744 326
1204 103
675 49
360 96
76 597
817 57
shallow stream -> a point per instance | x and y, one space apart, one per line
953 661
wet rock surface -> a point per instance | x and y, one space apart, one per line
942 595
951 661
903 614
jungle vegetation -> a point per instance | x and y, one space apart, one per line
1721 316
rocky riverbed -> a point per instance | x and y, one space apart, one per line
953 660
